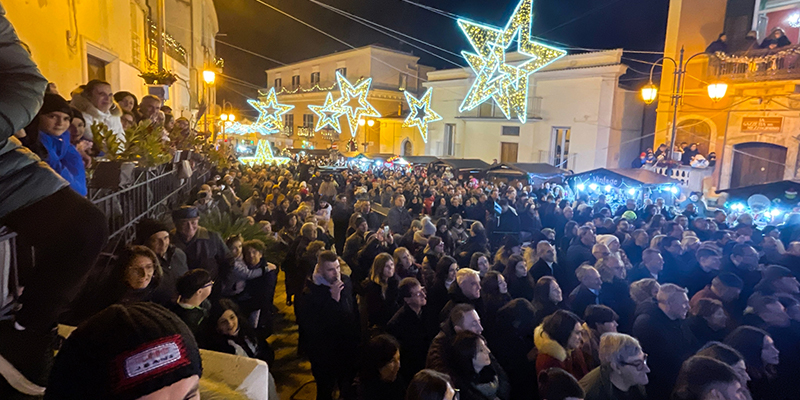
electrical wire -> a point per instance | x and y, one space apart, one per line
305 23
250 52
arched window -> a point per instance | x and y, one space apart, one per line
694 131
407 148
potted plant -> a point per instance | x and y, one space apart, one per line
164 77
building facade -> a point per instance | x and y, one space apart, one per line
578 117
754 130
308 82
73 42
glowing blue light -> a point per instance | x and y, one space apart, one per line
378 163
593 187
631 192
737 207
674 190
581 186
775 212
608 188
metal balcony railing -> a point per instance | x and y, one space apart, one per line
756 65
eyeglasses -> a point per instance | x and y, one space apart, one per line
639 364
209 284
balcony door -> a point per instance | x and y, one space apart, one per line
508 152
559 146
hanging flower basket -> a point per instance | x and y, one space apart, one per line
159 77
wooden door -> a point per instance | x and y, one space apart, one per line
508 152
756 163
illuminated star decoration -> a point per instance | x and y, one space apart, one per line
269 113
263 155
349 93
506 84
328 114
421 113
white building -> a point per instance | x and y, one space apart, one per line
578 116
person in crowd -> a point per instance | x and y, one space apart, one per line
96 102
462 318
474 373
731 357
510 338
708 321
588 292
520 283
260 279
777 279
34 196
615 291
726 288
651 266
467 290
354 243
149 108
155 235
761 359
203 248
665 324
494 294
457 230
134 278
330 319
480 262
413 326
558 341
775 40
445 269
476 243
127 102
704 270
704 378
96 361
743 261
192 305
404 263
598 320
81 138
547 298
48 137
622 373
430 385
557 384
399 218
378 376
644 292
545 265
378 298
230 332
581 250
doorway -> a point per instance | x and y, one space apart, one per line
756 163
508 152
407 148
559 147
96 68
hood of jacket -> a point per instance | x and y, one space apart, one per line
548 346
82 104
420 238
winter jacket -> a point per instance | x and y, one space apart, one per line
597 386
24 178
399 219
331 326
458 297
375 307
414 333
92 115
64 158
552 354
205 250
512 341
174 266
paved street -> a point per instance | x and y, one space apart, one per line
289 370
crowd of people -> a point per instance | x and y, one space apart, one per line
687 154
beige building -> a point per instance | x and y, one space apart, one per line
308 82
578 117
754 129
115 40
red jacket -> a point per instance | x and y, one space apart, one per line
552 354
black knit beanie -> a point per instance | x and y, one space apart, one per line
54 102
148 227
123 353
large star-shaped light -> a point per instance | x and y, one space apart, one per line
421 113
263 155
362 108
506 84
328 114
269 113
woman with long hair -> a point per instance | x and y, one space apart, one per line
229 332
378 300
494 292
476 377
476 243
761 358
547 298
378 377
430 385
520 283
558 339
438 297
480 262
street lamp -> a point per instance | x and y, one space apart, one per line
716 90
209 76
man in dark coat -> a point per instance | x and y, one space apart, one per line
666 338
743 261
462 318
329 317
399 217
204 249
155 235
374 220
577 254
651 266
509 219
466 290
588 292
341 217
413 326
707 266
546 265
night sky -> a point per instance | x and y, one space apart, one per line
596 24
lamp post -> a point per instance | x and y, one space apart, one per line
225 118
209 77
716 90
370 123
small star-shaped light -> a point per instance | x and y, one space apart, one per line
328 114
269 113
358 110
421 113
263 155
506 84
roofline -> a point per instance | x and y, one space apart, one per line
371 46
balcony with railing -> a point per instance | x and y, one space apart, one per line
757 65
331 85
